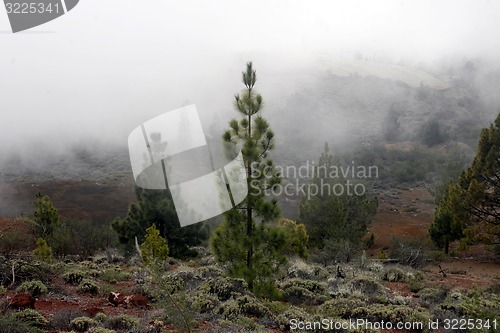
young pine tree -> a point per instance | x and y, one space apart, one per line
154 247
252 249
45 217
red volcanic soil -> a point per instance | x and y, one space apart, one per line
407 214
403 214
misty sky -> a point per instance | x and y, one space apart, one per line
109 65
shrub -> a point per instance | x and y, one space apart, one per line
394 274
101 317
284 318
366 285
83 238
203 302
473 305
10 324
121 322
15 240
210 271
340 307
31 317
411 253
297 237
298 291
42 250
73 277
430 296
302 270
35 288
3 290
114 275
89 287
61 319
391 313
82 324
229 309
417 281
224 287
251 306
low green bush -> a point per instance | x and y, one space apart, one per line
10 324
73 277
430 296
391 313
366 285
283 319
224 287
35 288
32 317
88 286
229 310
204 303
252 306
121 322
340 307
394 274
82 324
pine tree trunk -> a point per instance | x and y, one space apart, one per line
249 204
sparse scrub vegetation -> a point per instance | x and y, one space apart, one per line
323 257
35 288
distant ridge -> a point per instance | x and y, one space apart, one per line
411 76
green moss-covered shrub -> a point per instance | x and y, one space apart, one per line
25 271
224 287
305 271
11 324
73 277
114 275
340 307
32 317
431 296
204 303
394 274
101 317
35 288
284 318
473 305
308 292
89 287
417 281
82 324
252 306
121 322
229 310
312 286
210 271
366 285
